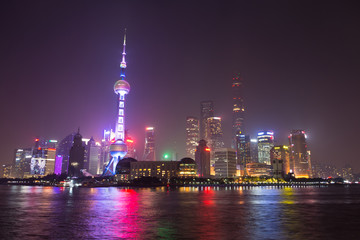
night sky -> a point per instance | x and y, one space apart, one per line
299 60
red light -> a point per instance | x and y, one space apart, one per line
36 139
39 148
113 140
207 149
52 149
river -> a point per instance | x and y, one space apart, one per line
34 212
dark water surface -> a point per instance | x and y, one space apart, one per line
31 212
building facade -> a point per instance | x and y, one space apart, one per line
76 157
22 162
43 161
202 159
149 150
206 111
280 161
299 158
265 144
192 135
187 168
214 133
254 150
63 150
225 163
243 152
94 153
160 169
238 106
258 169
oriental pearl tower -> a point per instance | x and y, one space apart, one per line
118 147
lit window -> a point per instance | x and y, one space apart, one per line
121 104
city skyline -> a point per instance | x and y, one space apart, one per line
283 91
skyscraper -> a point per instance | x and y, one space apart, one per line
280 161
192 135
93 151
225 163
76 156
22 162
63 150
254 149
206 111
214 133
43 159
299 159
243 152
202 159
118 148
105 157
149 149
238 105
265 144
131 148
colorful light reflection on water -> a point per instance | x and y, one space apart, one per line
192 213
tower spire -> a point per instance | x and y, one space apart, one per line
123 62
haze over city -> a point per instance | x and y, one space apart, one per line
299 62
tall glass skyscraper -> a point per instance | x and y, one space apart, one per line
149 150
206 111
280 161
299 158
76 156
238 105
192 135
202 159
243 152
63 150
214 133
265 144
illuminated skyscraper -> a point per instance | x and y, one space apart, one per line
22 162
118 148
43 159
131 147
265 144
206 111
93 156
280 161
105 156
243 152
299 159
192 135
202 159
238 105
254 149
214 133
149 150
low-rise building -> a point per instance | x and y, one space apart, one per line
258 169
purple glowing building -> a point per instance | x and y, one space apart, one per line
58 164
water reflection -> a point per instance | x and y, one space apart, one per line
33 212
